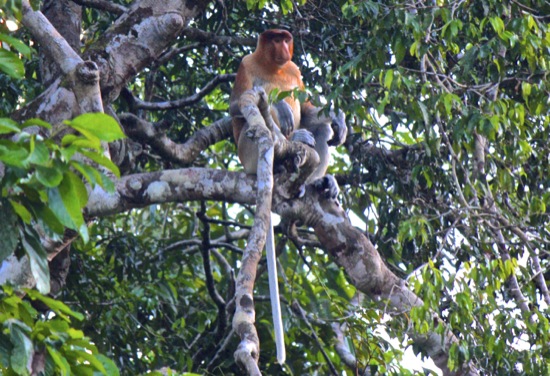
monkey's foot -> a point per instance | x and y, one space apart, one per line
304 136
327 186
339 129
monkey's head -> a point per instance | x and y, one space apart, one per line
277 45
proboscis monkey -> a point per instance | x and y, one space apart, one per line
270 67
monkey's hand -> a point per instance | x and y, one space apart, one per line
327 186
338 125
285 117
304 136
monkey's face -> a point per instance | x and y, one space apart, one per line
281 50
279 46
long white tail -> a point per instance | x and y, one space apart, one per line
274 294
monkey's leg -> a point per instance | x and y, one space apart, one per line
248 152
322 132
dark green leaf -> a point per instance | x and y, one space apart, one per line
50 177
38 259
11 64
9 234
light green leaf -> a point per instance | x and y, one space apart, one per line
103 161
81 142
63 367
8 126
37 122
55 305
97 125
388 79
12 154
21 211
40 155
21 47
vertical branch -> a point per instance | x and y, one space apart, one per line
248 351
210 283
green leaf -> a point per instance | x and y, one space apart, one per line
50 177
103 161
81 142
55 203
13 154
399 51
36 122
498 24
424 112
91 174
11 64
63 367
70 196
55 305
49 219
21 211
77 188
8 126
388 79
40 154
21 47
97 125
9 234
38 259
22 347
66 202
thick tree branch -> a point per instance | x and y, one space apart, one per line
140 190
137 38
248 351
53 44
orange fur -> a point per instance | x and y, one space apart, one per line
270 67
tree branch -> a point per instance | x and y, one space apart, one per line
213 38
353 251
53 44
184 102
248 351
184 154
128 46
107 6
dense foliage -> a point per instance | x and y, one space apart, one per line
446 169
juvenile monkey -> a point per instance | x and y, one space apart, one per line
270 67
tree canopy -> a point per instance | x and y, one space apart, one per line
128 227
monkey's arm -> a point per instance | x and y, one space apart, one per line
243 82
283 115
337 121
